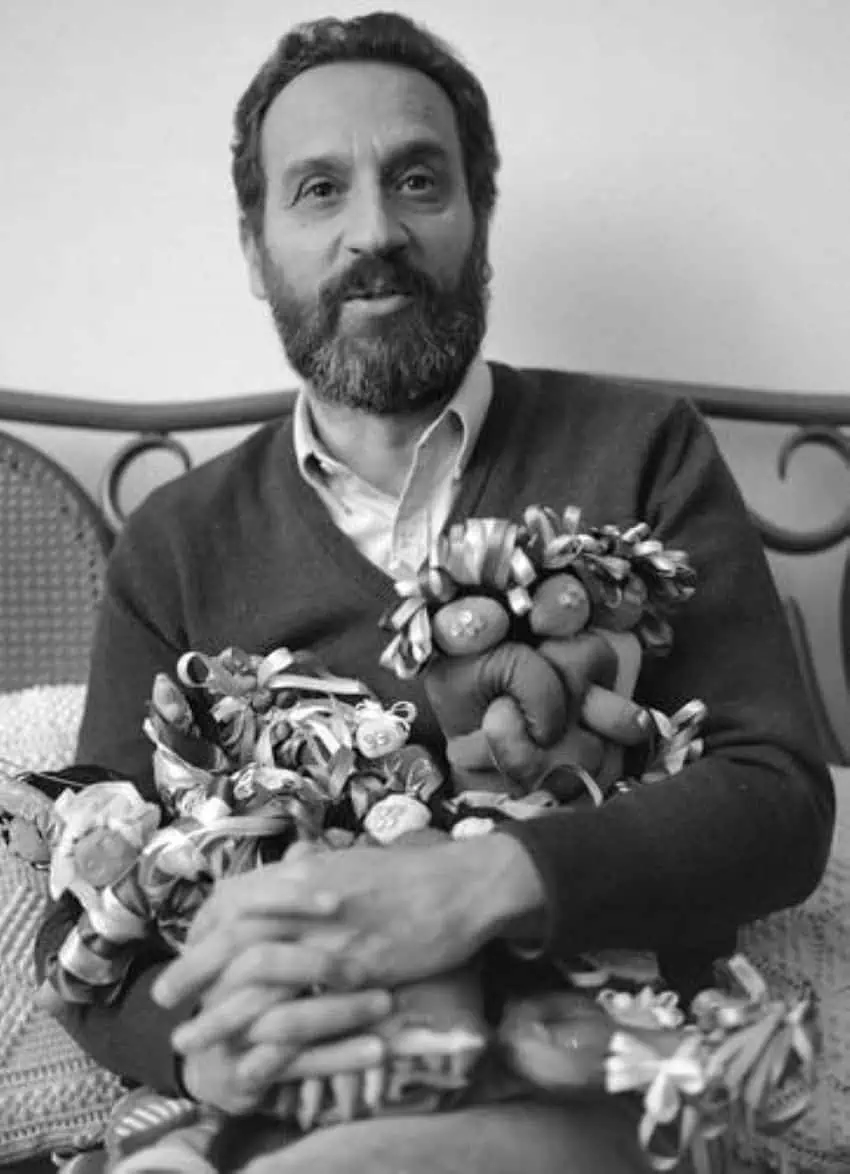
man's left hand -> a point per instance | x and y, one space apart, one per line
401 915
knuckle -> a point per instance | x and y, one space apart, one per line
250 963
341 971
261 959
327 967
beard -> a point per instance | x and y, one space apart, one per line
400 362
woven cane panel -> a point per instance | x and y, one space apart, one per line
52 1096
52 559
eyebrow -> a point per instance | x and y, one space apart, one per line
422 150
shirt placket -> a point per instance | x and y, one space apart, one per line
425 501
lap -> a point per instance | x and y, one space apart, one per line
531 1137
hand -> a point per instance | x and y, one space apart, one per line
401 915
248 1038
236 1077
267 1018
529 711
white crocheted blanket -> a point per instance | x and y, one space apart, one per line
52 1096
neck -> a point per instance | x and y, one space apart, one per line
379 449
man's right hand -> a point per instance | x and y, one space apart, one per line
295 1040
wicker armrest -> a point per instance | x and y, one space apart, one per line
54 545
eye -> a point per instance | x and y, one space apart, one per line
418 182
317 191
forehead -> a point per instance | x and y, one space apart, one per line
354 106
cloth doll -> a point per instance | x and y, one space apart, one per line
487 620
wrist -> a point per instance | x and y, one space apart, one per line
505 890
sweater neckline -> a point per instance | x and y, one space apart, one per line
353 567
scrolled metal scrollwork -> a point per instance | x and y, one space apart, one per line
109 494
786 541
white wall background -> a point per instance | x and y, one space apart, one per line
676 189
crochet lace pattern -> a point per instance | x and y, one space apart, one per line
810 946
53 1097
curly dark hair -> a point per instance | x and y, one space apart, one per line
379 36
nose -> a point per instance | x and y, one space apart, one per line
373 225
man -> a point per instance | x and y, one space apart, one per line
365 168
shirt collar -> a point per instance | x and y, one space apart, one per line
467 409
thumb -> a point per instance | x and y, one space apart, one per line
517 757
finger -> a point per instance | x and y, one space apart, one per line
469 752
346 1091
211 1077
514 753
461 688
523 674
198 967
359 1053
311 1094
581 748
585 660
285 889
616 718
263 1066
270 1062
217 1023
319 1017
243 931
271 959
629 655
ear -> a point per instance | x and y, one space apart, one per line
251 250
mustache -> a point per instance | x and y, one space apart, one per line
379 277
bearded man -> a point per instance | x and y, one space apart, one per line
365 168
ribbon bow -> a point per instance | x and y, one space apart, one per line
670 1083
632 580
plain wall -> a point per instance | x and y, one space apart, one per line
675 189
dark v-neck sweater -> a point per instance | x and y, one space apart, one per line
241 551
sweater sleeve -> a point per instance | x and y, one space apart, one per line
675 865
132 1035
137 636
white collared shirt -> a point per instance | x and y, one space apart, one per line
396 533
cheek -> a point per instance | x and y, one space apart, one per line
295 257
446 245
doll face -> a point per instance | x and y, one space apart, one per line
395 816
379 736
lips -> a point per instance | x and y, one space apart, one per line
372 293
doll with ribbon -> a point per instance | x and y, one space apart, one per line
739 1062
489 616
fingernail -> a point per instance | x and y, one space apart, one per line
643 720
